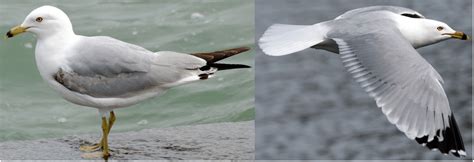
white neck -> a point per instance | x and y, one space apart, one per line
63 33
50 52
414 31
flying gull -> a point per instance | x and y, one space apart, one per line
377 47
106 73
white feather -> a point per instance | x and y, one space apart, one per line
282 39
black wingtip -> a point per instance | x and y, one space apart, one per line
221 66
212 57
452 140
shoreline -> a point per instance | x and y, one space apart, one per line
230 140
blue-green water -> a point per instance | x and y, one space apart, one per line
29 109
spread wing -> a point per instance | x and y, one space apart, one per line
106 67
404 85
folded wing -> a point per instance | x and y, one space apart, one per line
105 67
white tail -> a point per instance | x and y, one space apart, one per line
283 39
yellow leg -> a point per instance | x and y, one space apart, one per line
111 120
97 146
103 144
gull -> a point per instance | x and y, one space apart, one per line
377 46
106 73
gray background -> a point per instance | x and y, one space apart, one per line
309 108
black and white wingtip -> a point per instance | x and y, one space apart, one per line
451 142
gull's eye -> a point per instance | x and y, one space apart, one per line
440 28
39 19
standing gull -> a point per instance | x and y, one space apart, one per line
106 73
377 47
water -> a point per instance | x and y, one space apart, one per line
29 109
312 109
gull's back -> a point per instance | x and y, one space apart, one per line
105 67
394 9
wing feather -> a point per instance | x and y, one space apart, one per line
104 67
405 86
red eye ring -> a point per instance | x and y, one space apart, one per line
39 19
440 28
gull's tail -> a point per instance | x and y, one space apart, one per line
283 39
213 57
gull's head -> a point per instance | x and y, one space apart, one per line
422 32
442 31
44 21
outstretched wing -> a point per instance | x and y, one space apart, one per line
404 85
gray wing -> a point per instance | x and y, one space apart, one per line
395 9
106 67
404 85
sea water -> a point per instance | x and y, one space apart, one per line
29 109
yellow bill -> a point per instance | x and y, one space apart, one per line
15 31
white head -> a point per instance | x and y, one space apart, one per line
422 32
44 21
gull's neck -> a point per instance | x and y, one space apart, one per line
413 30
54 42
51 51
63 34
